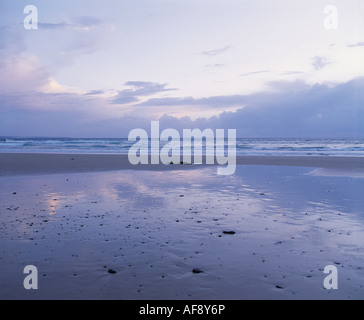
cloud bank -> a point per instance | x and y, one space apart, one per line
293 109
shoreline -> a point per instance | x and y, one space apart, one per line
13 164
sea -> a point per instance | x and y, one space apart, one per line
244 146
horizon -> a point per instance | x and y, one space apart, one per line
238 137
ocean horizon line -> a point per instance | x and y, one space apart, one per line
244 146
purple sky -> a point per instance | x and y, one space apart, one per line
102 68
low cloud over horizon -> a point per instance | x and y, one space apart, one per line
294 109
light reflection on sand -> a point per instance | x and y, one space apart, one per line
155 227
323 172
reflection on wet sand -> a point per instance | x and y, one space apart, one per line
265 232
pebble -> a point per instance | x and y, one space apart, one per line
111 271
229 232
197 271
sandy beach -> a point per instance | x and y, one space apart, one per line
266 232
38 163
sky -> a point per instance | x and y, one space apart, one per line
282 68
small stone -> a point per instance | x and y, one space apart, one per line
229 232
197 271
111 271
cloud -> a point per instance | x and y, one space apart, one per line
228 101
222 102
139 89
215 65
253 73
290 73
53 26
295 109
143 88
64 115
20 71
54 114
281 73
309 111
23 73
288 86
87 21
212 102
75 23
358 44
75 37
320 63
28 107
94 92
216 52
120 99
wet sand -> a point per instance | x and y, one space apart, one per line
267 232
27 163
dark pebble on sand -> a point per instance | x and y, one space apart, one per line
111 271
197 271
229 232
279 287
